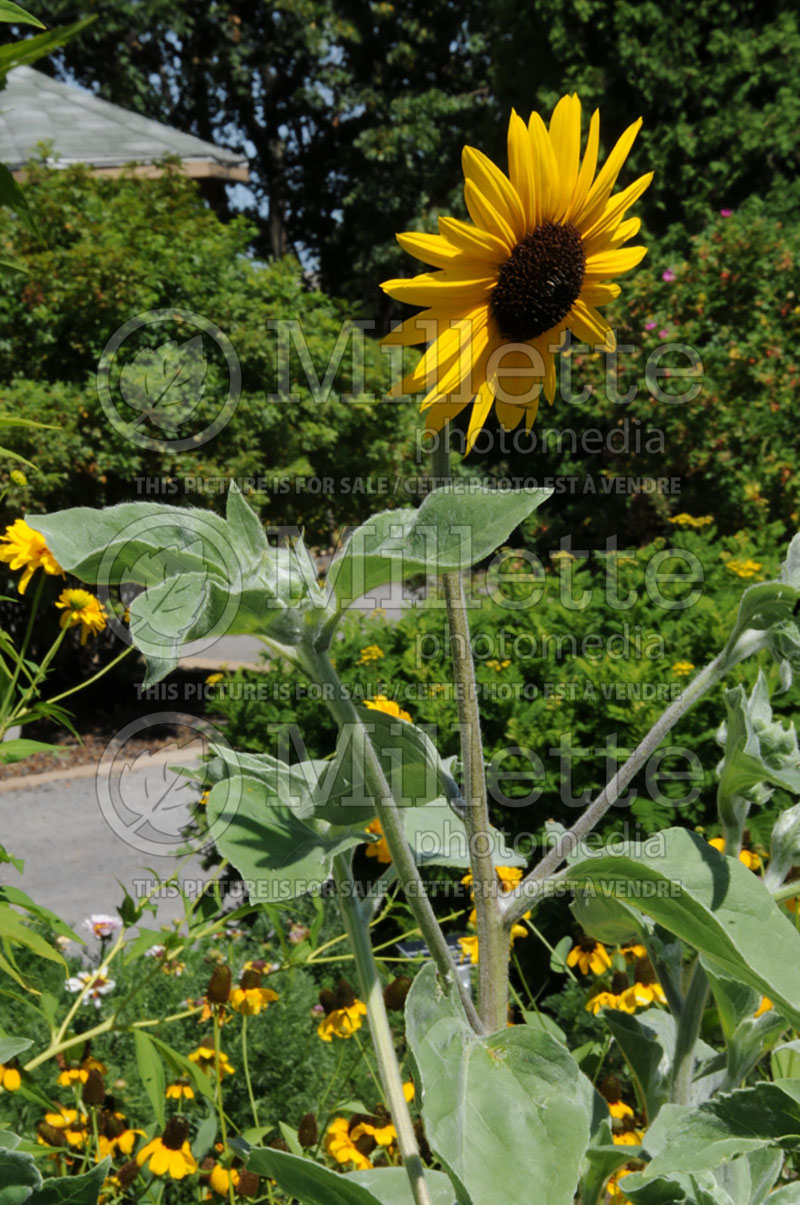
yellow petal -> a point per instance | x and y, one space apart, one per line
496 188
471 240
545 169
600 294
565 136
465 373
429 288
589 326
612 263
607 178
508 415
520 166
588 166
480 412
486 216
615 208
624 231
430 248
436 416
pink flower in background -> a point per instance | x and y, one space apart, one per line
649 326
726 213
668 276
663 334
101 925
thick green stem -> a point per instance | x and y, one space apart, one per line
686 1035
345 714
370 990
492 934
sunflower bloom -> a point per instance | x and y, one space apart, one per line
169 1155
537 260
81 607
24 548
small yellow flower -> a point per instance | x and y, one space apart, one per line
72 1125
764 1007
180 1089
589 955
469 949
170 1155
340 1145
497 666
342 1022
746 856
221 1179
509 877
378 849
408 1091
372 652
18 477
384 1135
603 1000
684 520
387 706
250 997
629 1137
616 1195
10 1078
682 669
206 1059
26 549
618 1109
213 679
635 951
81 607
743 569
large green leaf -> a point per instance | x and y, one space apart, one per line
691 1140
502 1113
710 901
13 927
73 1190
19 1177
277 853
450 530
10 1046
313 1184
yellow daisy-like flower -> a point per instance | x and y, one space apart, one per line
509 877
179 1090
682 669
341 1146
684 520
81 607
469 949
10 1078
615 1193
342 1022
72 1125
378 849
634 950
387 706
250 997
589 955
744 569
221 1179
206 1059
23 548
746 856
536 262
170 1155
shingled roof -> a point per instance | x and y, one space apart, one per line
82 128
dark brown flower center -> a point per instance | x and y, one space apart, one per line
539 282
175 1133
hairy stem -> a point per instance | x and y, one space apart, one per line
686 1035
380 1030
492 936
388 812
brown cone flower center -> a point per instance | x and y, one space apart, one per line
539 282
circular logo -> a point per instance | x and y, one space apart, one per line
178 574
141 797
172 389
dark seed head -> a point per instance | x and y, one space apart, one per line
219 985
175 1133
644 972
539 282
619 983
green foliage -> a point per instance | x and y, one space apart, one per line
554 652
387 94
116 248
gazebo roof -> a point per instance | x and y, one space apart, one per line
85 129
